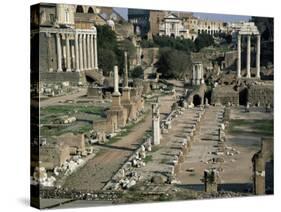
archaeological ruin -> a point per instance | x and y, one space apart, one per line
156 106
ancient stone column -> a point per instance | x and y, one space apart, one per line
155 124
76 53
258 174
116 82
81 52
88 52
96 52
258 56
84 52
64 51
59 52
125 70
249 56
68 56
92 52
238 56
202 74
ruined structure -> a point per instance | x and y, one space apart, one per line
260 160
225 95
211 180
117 114
126 95
261 95
67 50
248 29
197 73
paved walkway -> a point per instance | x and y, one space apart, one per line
202 148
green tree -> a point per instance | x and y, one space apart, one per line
203 40
137 72
173 63
107 60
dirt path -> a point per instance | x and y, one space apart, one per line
98 171
55 100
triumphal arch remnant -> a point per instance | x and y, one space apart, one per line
249 30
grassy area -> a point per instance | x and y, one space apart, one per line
148 158
50 115
264 127
70 109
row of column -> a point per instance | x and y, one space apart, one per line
80 56
197 74
258 44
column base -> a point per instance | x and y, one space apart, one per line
68 70
77 70
59 70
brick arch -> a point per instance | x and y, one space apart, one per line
79 9
90 10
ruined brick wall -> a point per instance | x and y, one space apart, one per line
224 95
155 18
230 59
262 94
74 141
57 77
53 155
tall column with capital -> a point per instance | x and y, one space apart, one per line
81 52
249 56
84 52
76 53
68 56
88 52
58 52
73 63
96 51
238 56
92 59
258 54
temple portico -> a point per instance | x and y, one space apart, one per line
76 49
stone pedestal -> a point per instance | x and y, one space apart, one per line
117 111
211 180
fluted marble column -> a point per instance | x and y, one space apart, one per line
249 56
84 52
92 59
77 67
88 52
238 56
58 52
68 56
258 53
81 52
96 52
